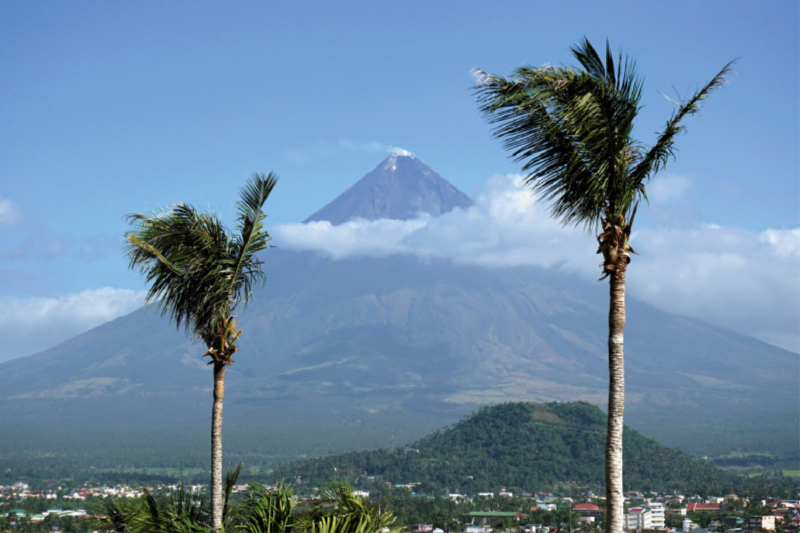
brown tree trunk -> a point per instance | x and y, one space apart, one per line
616 398
216 447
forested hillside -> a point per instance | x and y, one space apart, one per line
524 445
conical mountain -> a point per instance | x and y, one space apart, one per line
401 187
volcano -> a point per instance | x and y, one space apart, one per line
341 355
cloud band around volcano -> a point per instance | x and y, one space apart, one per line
742 280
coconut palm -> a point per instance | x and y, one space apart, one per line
572 130
199 272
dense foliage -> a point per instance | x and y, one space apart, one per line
525 445
336 509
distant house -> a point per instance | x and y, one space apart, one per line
688 525
733 521
587 509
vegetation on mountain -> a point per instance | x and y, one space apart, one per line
526 446
573 130
198 273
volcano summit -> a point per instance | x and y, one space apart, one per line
401 187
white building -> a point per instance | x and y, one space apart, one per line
650 517
638 518
766 523
657 517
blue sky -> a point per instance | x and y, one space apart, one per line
110 108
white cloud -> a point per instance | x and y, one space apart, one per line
30 325
9 214
742 280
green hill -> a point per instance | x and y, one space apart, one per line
523 445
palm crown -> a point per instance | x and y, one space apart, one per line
197 270
572 130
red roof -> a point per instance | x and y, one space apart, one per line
691 506
586 507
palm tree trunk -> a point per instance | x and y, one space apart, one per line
616 398
216 446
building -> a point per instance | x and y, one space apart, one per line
657 515
638 518
767 523
650 517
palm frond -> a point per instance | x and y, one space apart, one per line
268 511
353 514
663 149
252 237
230 480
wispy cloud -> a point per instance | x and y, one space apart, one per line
326 150
24 238
373 147
9 214
29 325
742 280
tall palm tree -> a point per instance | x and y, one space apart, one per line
572 130
199 272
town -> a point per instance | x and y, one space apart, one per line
80 509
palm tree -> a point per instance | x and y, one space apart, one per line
572 130
198 273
